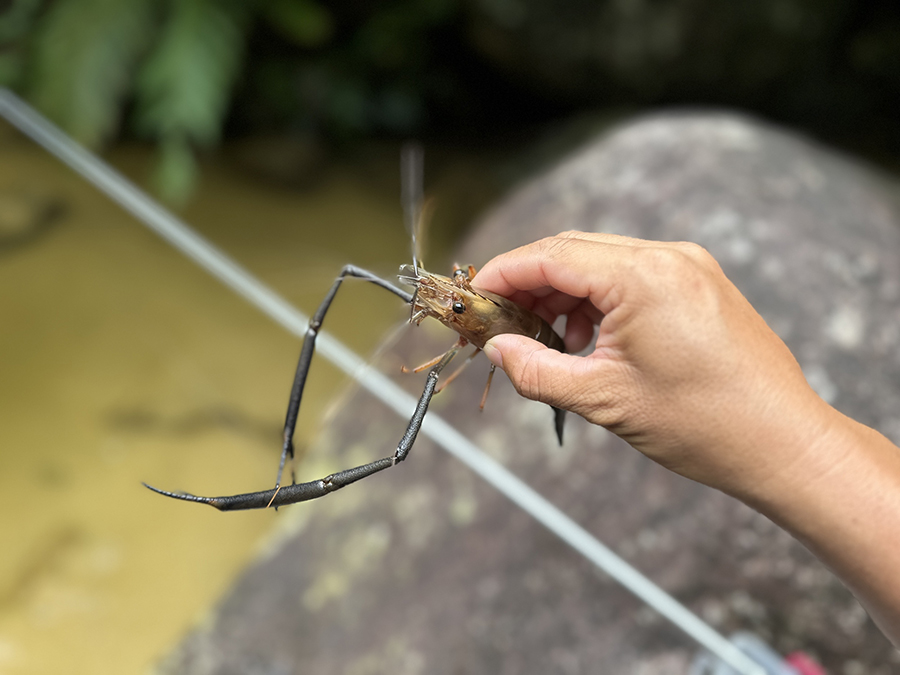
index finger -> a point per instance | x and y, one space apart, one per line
578 265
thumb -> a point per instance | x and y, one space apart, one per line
536 371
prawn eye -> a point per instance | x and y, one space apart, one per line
458 307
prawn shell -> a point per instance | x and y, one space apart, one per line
488 315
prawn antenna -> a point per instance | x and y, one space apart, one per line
412 160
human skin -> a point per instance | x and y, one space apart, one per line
686 371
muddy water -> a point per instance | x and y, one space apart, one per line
120 361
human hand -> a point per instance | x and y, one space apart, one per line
682 367
686 371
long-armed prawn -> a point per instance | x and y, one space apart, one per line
475 315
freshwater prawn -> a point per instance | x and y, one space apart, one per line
475 315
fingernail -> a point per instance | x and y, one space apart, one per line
493 354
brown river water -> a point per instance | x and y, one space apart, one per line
122 362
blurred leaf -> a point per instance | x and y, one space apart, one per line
304 22
17 18
10 69
15 21
85 52
184 87
175 174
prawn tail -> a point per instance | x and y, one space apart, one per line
559 421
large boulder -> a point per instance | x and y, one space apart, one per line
427 569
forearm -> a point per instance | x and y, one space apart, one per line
843 502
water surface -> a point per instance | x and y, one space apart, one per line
122 362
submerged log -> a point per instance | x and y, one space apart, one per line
426 569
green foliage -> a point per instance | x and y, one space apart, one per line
184 86
85 52
170 69
15 21
177 62
302 22
378 73
175 173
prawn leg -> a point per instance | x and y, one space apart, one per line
487 387
424 366
431 362
309 346
452 376
301 492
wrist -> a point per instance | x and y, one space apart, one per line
830 473
774 454
841 499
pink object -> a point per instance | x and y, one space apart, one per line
804 664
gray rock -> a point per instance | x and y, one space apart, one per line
426 569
